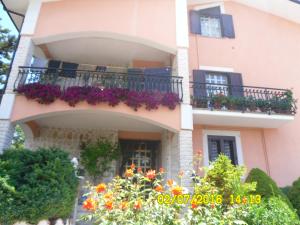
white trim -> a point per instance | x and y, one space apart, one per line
210 5
186 117
238 142
182 33
31 17
218 69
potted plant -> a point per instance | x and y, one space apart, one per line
219 100
251 104
263 105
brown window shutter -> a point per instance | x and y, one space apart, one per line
227 26
237 82
214 11
195 26
199 84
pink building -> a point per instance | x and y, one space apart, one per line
232 65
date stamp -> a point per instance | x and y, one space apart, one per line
200 199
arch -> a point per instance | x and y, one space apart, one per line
103 34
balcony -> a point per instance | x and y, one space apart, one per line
247 106
131 80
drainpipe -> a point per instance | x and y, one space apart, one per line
17 43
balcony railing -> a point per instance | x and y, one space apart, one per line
243 98
69 78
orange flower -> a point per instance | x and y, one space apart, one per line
109 205
180 174
161 170
212 205
177 190
194 205
159 188
100 188
90 204
137 205
139 170
129 173
108 195
170 182
151 174
244 200
132 166
123 205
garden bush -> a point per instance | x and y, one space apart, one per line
266 186
294 195
271 211
36 185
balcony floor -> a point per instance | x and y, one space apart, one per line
239 119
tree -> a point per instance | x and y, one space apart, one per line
18 138
7 47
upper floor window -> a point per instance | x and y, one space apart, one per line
211 22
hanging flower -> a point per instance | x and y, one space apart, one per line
170 182
90 204
177 190
129 173
151 174
109 205
159 188
132 166
100 188
137 205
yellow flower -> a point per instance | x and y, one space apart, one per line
129 173
177 190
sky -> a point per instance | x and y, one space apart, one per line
5 21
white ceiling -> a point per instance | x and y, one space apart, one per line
104 51
97 120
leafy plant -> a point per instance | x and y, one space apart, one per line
97 157
219 100
294 195
271 211
36 185
263 105
133 200
265 186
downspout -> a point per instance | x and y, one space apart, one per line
265 152
17 43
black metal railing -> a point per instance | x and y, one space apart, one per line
69 78
242 98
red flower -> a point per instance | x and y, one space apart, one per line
109 205
90 204
151 174
212 205
194 205
139 170
100 188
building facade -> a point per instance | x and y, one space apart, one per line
230 68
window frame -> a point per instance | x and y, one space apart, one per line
235 134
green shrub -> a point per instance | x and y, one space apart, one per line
294 195
265 186
272 211
36 185
285 190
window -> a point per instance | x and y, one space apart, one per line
222 144
140 153
211 22
219 81
210 26
216 142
